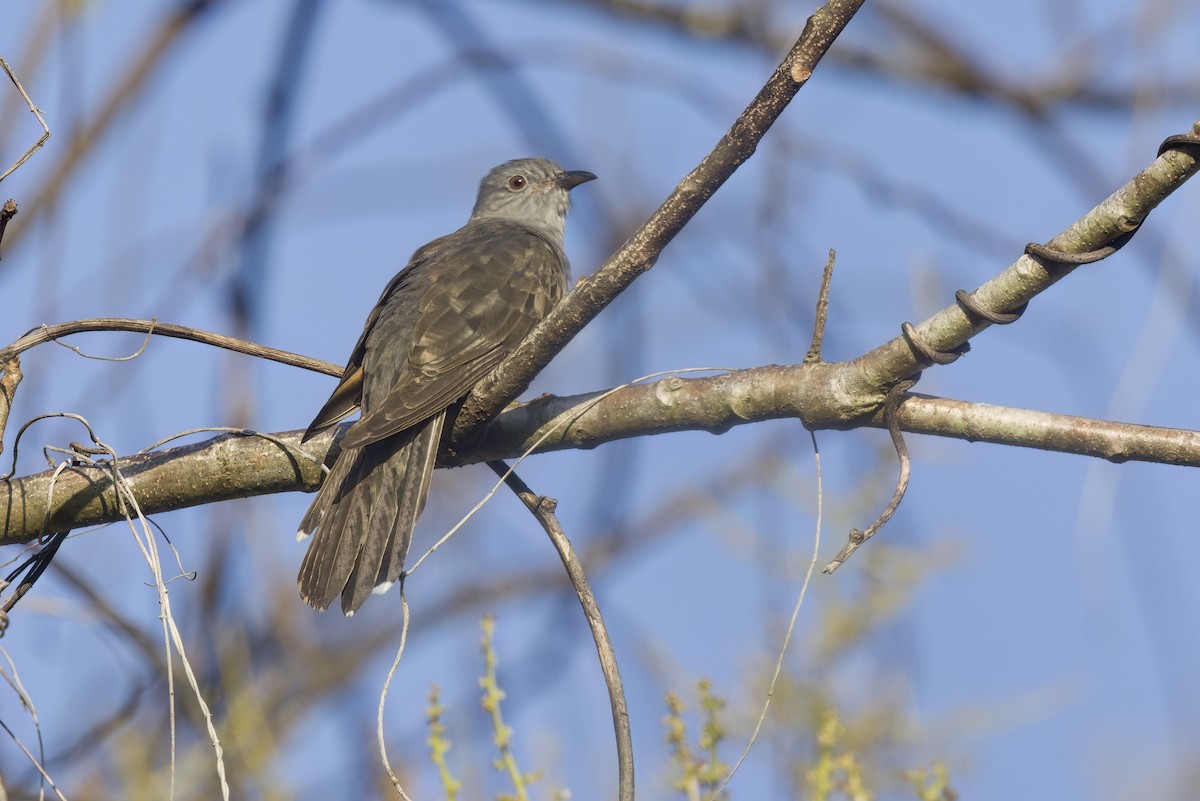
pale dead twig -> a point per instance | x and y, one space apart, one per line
383 698
36 112
14 681
787 637
129 508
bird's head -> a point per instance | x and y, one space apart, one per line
532 191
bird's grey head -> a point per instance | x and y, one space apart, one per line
530 191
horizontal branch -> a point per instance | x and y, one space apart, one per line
220 469
49 333
1062 433
243 465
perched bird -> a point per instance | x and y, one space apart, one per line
462 303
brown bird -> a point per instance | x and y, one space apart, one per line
462 304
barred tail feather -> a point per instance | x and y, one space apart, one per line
363 516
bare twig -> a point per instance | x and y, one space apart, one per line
33 760
14 681
890 408
127 508
131 509
49 333
787 637
383 693
543 508
814 351
639 254
37 113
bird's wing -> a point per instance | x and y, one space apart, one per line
346 397
481 292
345 400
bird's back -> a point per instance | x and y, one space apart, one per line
463 303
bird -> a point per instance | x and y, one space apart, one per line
462 303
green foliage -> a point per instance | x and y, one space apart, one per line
836 770
699 769
935 787
502 734
839 716
439 744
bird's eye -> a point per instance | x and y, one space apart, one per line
517 183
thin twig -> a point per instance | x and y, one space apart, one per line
492 703
14 680
48 333
33 760
129 509
37 113
78 351
818 340
543 509
787 637
890 408
387 682
171 635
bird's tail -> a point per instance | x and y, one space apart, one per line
362 519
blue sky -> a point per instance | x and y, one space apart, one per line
1050 647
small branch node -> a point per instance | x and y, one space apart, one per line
7 212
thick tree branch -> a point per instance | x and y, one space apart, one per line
780 392
640 252
1110 223
237 466
220 469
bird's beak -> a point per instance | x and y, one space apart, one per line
572 179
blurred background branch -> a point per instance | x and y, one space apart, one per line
261 169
